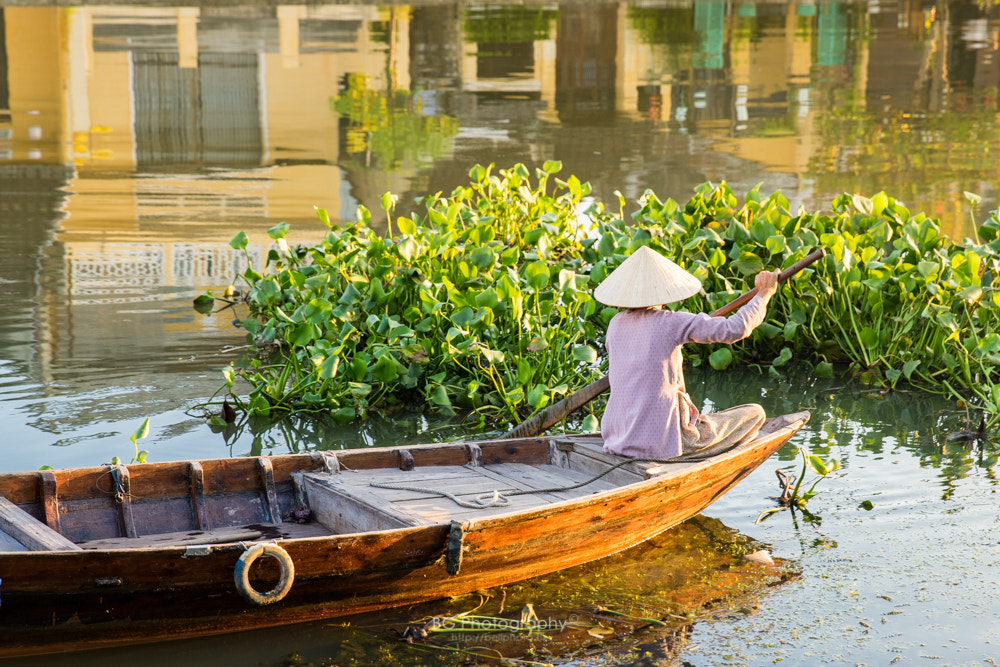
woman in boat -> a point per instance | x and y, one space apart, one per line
649 413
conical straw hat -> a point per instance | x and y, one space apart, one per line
645 279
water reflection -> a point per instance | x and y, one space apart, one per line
812 98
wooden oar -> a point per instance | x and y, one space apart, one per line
558 411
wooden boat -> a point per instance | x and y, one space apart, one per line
104 556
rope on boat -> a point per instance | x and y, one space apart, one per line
501 497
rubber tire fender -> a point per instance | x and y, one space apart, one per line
241 574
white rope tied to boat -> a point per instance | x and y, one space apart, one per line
501 498
483 501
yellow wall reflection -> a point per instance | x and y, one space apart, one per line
174 120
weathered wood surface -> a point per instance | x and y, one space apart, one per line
217 536
347 502
59 600
30 532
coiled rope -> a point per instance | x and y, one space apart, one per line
501 497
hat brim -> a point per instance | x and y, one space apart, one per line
646 279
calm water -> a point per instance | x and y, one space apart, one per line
135 141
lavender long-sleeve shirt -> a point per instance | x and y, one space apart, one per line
642 418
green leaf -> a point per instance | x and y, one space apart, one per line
328 368
869 337
358 368
487 298
439 396
477 173
303 334
600 271
749 263
585 353
204 303
591 424
322 214
761 231
359 389
863 204
879 203
260 406
406 226
537 344
388 201
768 330
927 268
717 259
492 356
483 257
463 317
140 432
524 371
824 369
537 274
239 242
278 231
575 187
408 249
344 415
816 463
538 397
776 244
721 358
567 278
606 246
350 295
386 369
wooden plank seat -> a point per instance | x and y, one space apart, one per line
346 502
27 531
180 538
586 453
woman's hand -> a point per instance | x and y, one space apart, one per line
767 283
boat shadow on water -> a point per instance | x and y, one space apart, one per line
638 607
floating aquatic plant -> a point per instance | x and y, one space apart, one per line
792 496
482 302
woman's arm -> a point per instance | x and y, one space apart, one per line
705 329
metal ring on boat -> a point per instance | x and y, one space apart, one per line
242 574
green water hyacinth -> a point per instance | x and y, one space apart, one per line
465 308
483 302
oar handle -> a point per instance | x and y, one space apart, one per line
557 411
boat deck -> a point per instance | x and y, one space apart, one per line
346 501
